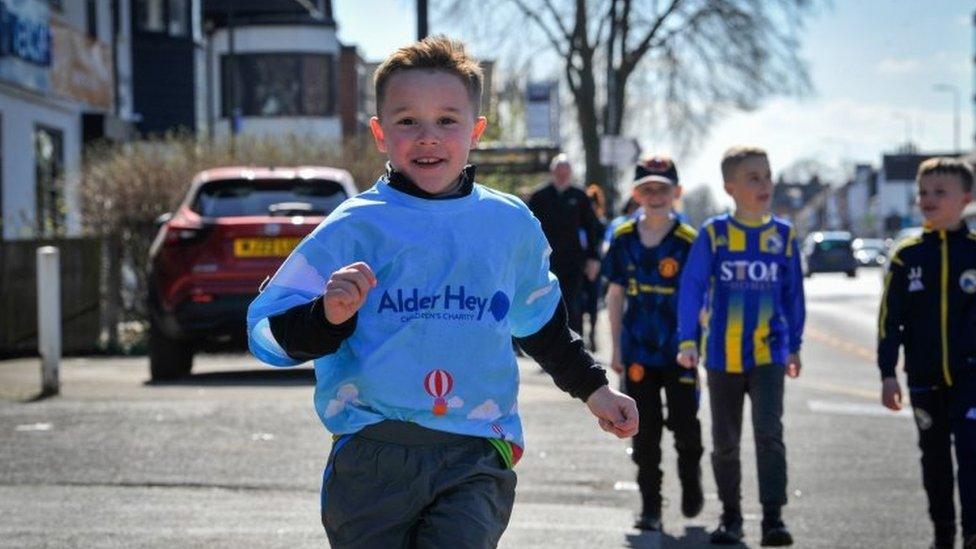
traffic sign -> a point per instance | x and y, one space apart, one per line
617 150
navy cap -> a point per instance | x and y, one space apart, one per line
655 168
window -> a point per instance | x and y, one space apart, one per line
163 16
234 197
91 18
49 184
150 16
285 84
179 14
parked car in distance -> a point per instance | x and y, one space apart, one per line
828 252
234 228
870 252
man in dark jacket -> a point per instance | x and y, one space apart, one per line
574 233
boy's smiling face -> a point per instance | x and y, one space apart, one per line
942 199
656 197
751 186
427 127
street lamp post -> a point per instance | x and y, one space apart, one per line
955 111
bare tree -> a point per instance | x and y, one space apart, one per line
700 58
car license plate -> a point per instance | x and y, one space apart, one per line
264 247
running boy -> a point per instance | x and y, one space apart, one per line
642 267
929 307
406 297
744 269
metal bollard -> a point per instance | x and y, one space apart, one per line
49 317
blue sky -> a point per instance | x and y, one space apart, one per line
873 64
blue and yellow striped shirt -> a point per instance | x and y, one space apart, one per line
748 281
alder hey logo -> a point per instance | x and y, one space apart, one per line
455 303
915 280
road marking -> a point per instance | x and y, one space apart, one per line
839 343
855 409
34 427
838 389
571 518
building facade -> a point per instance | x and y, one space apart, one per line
59 70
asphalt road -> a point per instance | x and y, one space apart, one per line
232 456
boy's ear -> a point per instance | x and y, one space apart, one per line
677 192
377 130
480 124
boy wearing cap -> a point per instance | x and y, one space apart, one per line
642 265
744 269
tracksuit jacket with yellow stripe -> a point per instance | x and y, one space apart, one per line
929 306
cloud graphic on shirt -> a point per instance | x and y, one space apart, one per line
455 402
299 274
347 393
266 340
487 411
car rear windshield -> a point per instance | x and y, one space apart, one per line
286 197
831 244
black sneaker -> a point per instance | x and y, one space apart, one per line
729 532
776 536
648 522
969 541
692 499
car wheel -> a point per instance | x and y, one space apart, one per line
852 273
168 358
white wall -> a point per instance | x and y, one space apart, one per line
269 39
896 196
20 113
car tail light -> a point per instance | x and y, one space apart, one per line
201 297
184 233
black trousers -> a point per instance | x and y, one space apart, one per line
946 417
680 386
570 276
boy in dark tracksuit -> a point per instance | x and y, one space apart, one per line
929 307
643 264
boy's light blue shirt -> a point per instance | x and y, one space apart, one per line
455 280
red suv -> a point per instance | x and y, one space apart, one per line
233 229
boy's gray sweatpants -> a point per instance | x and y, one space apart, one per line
764 385
399 485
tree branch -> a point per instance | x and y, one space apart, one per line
630 58
553 39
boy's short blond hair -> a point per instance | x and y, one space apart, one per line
433 53
948 166
736 155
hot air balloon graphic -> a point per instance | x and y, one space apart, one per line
438 384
